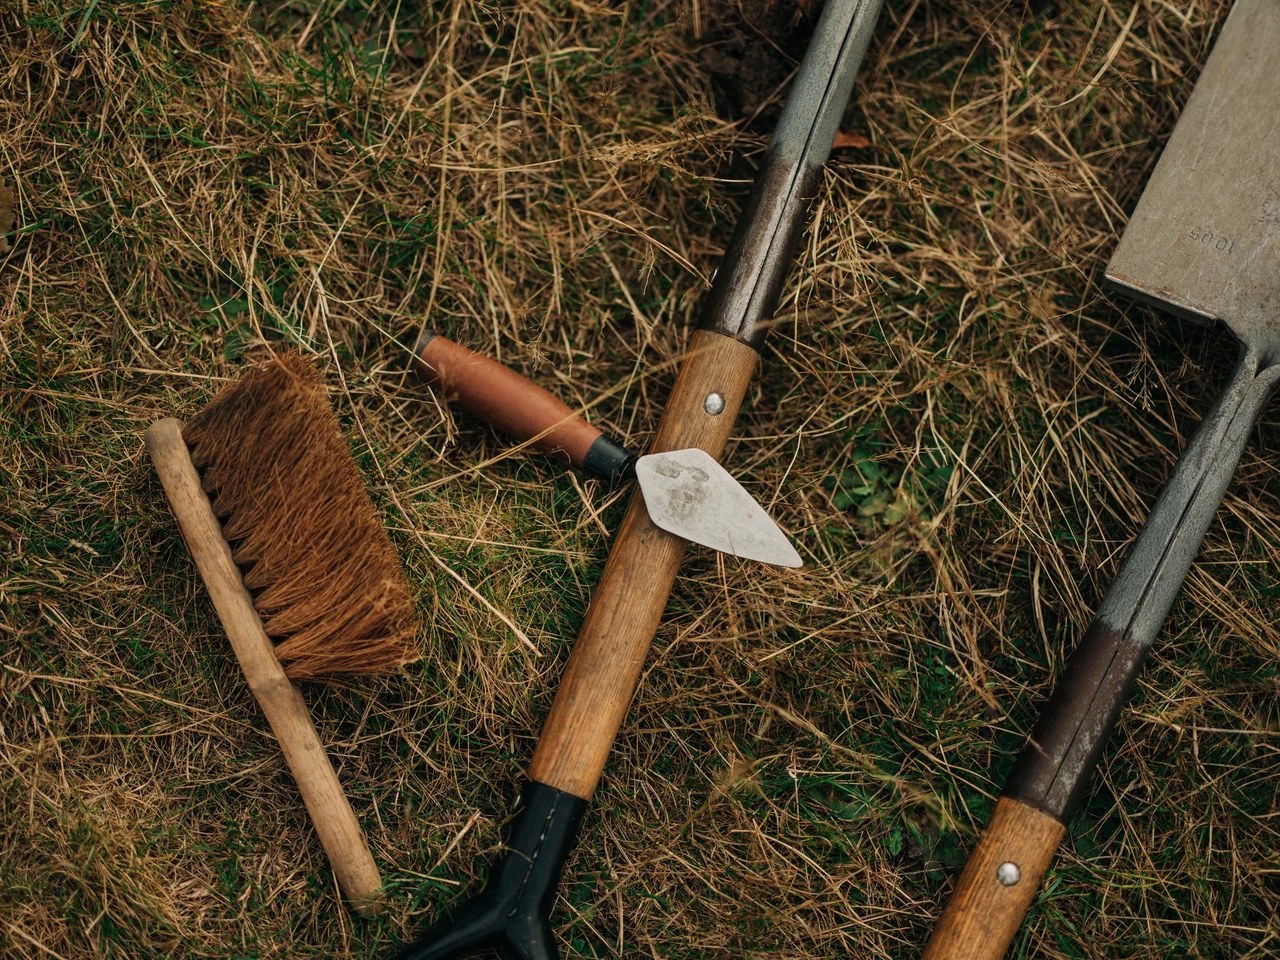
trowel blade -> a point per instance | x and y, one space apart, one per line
1204 239
689 494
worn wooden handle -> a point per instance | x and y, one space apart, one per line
498 395
334 820
997 886
627 605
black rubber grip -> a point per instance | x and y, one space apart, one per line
609 460
513 913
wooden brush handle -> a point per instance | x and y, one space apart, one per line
334 820
997 886
517 406
627 605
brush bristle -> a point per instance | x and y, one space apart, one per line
325 578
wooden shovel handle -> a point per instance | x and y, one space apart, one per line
627 605
498 395
997 886
334 820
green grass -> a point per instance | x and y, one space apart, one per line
959 428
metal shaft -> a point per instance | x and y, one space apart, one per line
753 271
1003 874
1053 770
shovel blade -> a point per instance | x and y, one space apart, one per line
1204 239
689 494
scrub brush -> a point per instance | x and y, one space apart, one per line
298 566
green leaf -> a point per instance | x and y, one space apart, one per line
230 308
899 508
874 504
236 342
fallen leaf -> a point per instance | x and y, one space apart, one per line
856 141
6 216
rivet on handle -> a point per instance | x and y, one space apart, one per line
714 404
1008 873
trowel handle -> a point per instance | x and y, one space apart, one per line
1002 877
517 406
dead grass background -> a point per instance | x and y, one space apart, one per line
960 429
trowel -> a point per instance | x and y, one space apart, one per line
686 492
1203 244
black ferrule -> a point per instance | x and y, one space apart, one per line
1054 769
513 913
608 460
421 344
753 271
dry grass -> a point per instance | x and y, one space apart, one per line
959 427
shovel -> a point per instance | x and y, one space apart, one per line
1203 243
512 914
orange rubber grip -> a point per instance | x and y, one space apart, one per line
501 397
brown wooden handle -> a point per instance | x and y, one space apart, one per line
627 605
997 886
334 820
498 395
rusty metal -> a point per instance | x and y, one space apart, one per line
1219 178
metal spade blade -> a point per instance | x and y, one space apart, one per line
1204 239
689 494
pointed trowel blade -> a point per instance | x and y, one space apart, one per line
689 494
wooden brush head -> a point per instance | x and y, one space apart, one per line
325 579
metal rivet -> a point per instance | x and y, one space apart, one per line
1008 874
714 404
